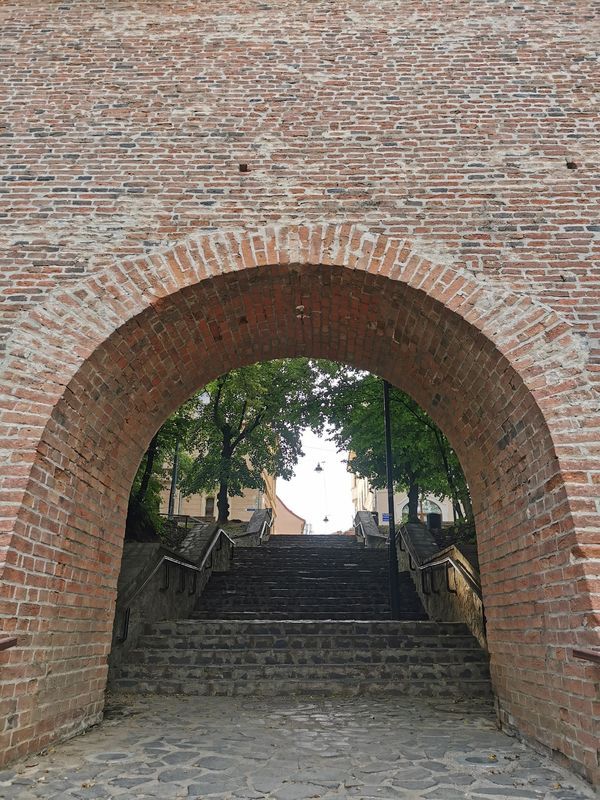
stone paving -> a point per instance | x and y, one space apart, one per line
291 749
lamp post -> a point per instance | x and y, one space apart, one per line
389 468
174 476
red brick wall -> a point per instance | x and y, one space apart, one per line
123 129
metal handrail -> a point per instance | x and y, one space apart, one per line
471 580
186 517
362 530
263 530
7 641
365 535
265 526
169 559
218 533
473 583
587 655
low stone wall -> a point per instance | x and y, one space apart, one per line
446 594
368 532
165 595
251 536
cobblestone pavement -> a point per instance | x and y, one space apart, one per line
286 749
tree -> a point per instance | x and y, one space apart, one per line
252 423
424 461
143 518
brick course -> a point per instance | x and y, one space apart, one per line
421 200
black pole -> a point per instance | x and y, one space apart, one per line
389 464
174 474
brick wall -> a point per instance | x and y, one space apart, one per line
137 266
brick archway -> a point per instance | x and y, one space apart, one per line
92 373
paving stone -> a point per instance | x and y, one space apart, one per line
127 782
215 763
246 749
298 791
178 775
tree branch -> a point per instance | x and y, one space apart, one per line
217 418
417 416
243 414
247 430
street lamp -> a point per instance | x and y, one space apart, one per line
393 555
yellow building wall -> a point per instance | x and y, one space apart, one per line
285 520
240 507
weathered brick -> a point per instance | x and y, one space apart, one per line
407 184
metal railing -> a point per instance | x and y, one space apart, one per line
7 641
426 569
374 534
166 560
217 537
586 654
266 526
183 520
258 526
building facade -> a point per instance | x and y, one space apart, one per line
241 507
366 498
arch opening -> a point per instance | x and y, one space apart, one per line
420 327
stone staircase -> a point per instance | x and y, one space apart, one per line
307 615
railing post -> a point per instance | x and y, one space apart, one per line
393 556
174 478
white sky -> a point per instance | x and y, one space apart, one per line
314 495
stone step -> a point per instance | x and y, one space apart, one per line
349 575
338 588
378 611
184 627
303 585
323 567
257 605
268 656
314 540
307 618
318 687
305 615
308 641
300 591
440 677
305 553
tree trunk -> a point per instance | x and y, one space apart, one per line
413 503
223 502
150 458
454 491
139 525
224 471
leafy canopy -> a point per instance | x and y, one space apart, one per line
252 422
352 407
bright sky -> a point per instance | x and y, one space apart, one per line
314 495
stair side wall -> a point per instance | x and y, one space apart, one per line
442 605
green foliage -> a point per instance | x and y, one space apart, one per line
352 407
143 518
252 423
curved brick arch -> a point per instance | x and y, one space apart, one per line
123 349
